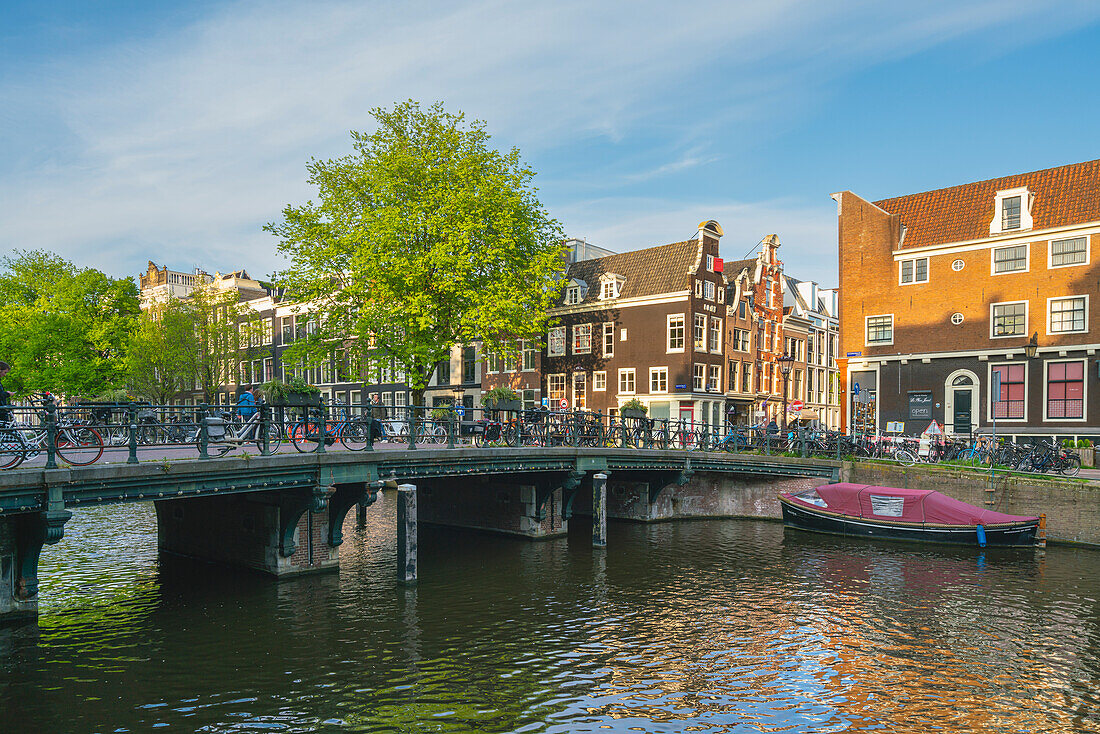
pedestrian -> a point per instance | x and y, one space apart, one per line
5 396
773 428
246 404
378 415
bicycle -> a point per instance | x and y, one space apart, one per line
223 436
75 444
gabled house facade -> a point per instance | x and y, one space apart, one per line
646 324
815 308
943 293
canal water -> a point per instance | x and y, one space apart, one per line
709 626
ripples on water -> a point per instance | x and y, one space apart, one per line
715 626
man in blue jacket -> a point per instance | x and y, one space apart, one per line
246 404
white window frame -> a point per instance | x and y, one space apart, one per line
625 372
1084 390
866 319
1050 252
698 377
579 329
599 381
913 260
709 291
714 378
572 295
698 287
550 351
529 355
658 372
1027 390
1026 200
695 325
1050 302
608 339
710 263
993 259
715 335
1027 319
721 293
550 388
682 318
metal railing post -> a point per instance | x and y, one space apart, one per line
322 427
204 435
576 428
51 433
410 419
451 417
132 458
802 439
265 446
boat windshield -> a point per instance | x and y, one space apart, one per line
812 497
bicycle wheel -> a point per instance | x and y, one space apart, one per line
354 435
274 438
12 448
1069 465
305 436
905 457
510 436
79 445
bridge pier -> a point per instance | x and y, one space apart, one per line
536 508
282 533
22 537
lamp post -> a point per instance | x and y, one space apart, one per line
1032 346
785 364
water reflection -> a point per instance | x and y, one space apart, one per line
721 626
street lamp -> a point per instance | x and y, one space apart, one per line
785 364
1032 346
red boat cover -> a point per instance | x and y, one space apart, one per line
903 505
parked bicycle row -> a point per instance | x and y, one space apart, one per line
80 434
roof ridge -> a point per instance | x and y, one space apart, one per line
987 180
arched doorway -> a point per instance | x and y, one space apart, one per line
962 413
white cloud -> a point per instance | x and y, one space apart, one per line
179 147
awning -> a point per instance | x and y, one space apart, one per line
808 415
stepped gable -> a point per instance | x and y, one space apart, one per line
1063 195
660 269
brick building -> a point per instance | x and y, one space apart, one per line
816 307
942 290
646 324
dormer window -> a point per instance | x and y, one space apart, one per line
610 286
1012 211
572 295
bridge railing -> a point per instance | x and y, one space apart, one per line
81 432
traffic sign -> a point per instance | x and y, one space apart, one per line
796 406
460 411
563 404
546 402
855 388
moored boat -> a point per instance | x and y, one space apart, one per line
922 515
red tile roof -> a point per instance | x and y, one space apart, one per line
1064 195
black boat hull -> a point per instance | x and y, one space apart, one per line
1015 534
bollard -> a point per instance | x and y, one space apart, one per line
802 439
132 458
265 446
410 421
406 534
51 433
204 437
599 510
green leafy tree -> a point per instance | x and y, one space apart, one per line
161 361
62 328
216 317
422 238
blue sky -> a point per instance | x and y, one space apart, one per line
135 130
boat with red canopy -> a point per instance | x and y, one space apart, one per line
902 514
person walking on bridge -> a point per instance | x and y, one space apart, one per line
246 403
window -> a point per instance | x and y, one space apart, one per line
1009 259
401 399
1067 315
721 295
797 383
1065 390
555 343
530 355
715 335
914 271
599 381
698 375
469 362
609 339
957 265
957 318
626 381
1009 319
443 372
746 378
710 263
492 364
1073 251
698 288
609 289
741 308
658 379
580 391
622 335
572 295
387 399
708 290
676 332
582 339
880 329
700 332
741 340
1010 213
555 388
1010 402
714 378
731 378
288 329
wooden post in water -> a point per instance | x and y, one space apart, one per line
599 511
1041 541
406 534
